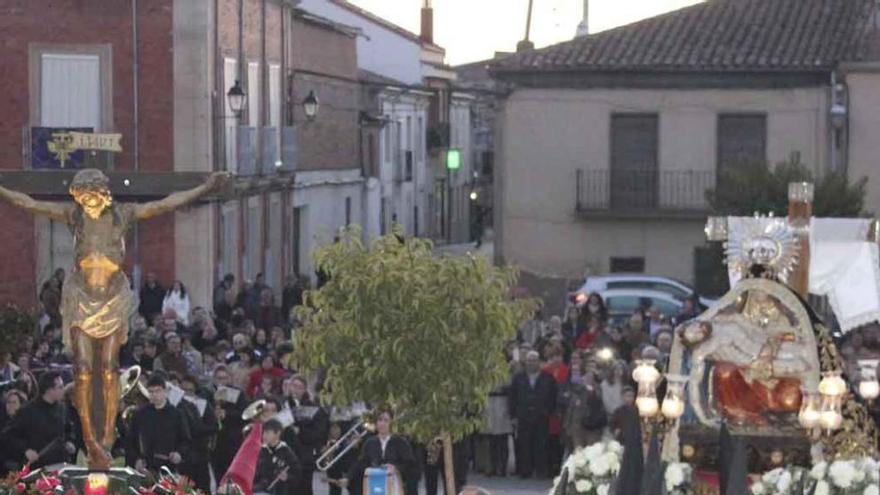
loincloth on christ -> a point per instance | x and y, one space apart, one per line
97 313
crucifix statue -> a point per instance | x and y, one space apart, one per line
97 299
834 257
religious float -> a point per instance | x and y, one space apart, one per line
759 367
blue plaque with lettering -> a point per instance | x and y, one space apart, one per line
47 151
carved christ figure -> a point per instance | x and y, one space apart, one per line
758 343
96 300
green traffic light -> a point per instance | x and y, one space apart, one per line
453 159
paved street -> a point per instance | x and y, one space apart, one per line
510 485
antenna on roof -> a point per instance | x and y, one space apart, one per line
526 44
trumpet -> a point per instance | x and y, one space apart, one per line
344 444
253 411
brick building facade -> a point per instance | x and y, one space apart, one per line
156 72
37 29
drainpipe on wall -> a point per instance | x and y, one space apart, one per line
136 270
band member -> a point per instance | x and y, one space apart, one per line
337 472
159 434
202 424
384 449
39 433
278 469
229 402
309 432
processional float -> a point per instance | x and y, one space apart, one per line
97 302
760 360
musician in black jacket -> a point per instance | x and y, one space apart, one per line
384 449
229 402
308 433
202 423
278 469
159 434
532 399
40 432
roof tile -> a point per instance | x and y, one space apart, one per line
721 35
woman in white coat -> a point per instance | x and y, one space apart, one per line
178 300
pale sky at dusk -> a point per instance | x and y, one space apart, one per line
472 30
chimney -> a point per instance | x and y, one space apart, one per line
583 28
427 34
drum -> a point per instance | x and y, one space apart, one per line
382 481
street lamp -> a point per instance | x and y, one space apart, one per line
310 106
236 98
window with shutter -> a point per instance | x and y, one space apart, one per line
742 139
634 171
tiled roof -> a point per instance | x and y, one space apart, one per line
317 20
719 36
371 77
381 21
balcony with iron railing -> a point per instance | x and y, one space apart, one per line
641 193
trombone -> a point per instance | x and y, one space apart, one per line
344 444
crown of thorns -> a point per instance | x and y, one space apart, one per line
89 178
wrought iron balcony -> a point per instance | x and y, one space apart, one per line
643 192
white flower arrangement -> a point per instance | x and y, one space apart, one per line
840 477
593 469
678 478
782 481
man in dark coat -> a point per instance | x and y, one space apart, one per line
532 400
309 433
229 402
278 469
159 435
40 432
152 295
202 423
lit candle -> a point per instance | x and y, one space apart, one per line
96 484
673 407
647 406
869 389
830 420
809 414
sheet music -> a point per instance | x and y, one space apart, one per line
306 412
175 394
227 394
285 417
201 404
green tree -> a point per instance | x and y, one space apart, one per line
397 325
747 188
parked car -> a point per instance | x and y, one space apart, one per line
676 289
622 303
